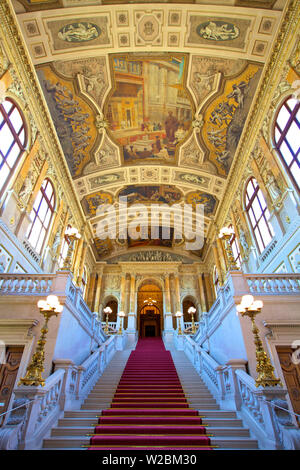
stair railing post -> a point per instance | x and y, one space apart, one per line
232 392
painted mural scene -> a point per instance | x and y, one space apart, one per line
149 111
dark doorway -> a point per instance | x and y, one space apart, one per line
8 374
150 330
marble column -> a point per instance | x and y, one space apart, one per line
81 264
122 297
208 282
77 258
90 294
177 299
132 314
168 320
202 294
98 292
222 258
217 263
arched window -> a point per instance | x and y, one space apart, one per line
41 215
12 140
287 137
258 214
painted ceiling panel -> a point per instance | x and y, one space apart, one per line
149 101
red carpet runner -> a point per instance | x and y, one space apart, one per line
149 409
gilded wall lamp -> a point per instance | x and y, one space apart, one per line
250 307
121 315
192 312
225 234
72 234
33 375
178 315
107 311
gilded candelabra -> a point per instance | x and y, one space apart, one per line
33 375
192 311
250 307
121 315
107 311
178 315
72 234
225 234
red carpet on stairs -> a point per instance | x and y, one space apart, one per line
149 409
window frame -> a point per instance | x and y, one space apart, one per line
50 206
248 207
282 138
22 146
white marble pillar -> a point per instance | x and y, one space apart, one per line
168 321
132 314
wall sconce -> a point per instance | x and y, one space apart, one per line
121 315
107 311
178 315
192 311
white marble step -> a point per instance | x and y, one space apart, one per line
222 442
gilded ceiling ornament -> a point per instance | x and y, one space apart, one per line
218 31
295 58
100 122
4 62
198 122
79 32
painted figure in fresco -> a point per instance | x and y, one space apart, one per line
223 157
171 126
189 178
78 32
223 112
216 137
219 32
238 93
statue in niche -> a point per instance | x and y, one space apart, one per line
27 186
243 241
272 186
56 242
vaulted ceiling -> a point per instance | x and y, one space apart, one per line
149 100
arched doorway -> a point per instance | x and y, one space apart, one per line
186 304
150 310
113 304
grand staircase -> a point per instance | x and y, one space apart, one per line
143 402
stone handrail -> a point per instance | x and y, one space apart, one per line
41 407
60 284
188 326
234 389
273 283
26 283
274 425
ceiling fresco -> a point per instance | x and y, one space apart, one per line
149 101
150 111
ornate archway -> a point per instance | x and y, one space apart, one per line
150 309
